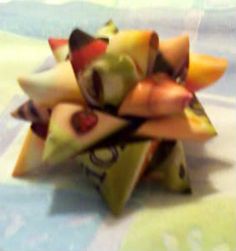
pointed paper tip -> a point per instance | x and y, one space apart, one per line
223 65
50 155
183 39
214 133
14 114
204 70
185 36
57 42
22 80
187 99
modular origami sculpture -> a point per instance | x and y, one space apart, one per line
118 105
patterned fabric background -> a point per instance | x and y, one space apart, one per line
64 212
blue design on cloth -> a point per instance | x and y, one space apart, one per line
53 220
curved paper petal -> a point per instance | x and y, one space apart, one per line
108 79
142 46
53 86
155 96
173 57
204 70
192 124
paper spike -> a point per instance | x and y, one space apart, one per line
204 70
53 86
73 129
155 96
192 124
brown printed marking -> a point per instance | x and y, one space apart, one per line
181 171
152 53
102 162
181 74
97 85
33 110
40 129
20 113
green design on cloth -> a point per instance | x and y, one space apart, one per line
197 225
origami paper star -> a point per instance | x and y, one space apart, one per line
118 105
